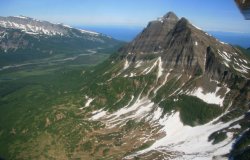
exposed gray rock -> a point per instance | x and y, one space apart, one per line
183 46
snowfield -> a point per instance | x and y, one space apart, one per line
210 98
191 142
185 141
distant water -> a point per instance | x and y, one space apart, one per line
241 39
129 33
118 32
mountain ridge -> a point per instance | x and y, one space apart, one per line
25 39
34 26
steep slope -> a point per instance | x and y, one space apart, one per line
176 76
24 38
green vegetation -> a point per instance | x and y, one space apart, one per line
245 51
132 125
217 137
87 146
166 90
144 146
193 111
241 147
105 151
116 93
40 107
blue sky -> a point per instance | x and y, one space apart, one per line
215 15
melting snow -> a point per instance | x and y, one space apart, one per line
138 64
23 17
67 26
141 108
235 127
245 61
164 82
246 67
197 27
222 42
192 142
98 114
152 67
88 102
224 56
30 29
210 97
160 19
196 43
228 55
242 70
226 64
132 75
126 65
160 68
89 32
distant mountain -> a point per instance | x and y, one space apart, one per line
24 38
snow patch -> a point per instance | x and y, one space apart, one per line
225 56
164 82
89 32
88 102
141 108
160 68
126 65
67 26
235 127
138 64
98 114
191 142
210 97
245 61
222 42
23 17
148 70
196 27
226 64
242 70
132 75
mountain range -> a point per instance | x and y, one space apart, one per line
23 39
174 92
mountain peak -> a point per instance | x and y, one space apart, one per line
183 20
171 15
182 23
183 47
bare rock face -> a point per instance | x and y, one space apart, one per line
177 48
182 46
153 35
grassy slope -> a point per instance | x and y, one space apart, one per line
31 100
245 51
